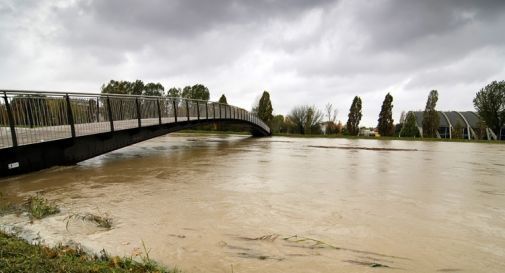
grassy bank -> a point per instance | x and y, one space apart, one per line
16 255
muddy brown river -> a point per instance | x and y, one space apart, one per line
216 203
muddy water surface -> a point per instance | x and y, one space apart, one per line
234 203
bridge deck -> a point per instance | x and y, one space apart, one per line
27 135
43 129
37 117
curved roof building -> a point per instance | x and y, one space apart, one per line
455 124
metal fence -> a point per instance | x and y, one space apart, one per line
28 117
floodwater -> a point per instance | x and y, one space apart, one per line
241 204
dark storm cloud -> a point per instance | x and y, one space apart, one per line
394 24
185 17
134 20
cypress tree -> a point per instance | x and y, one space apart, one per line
354 116
386 126
222 99
265 108
431 120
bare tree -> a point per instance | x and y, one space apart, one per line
331 113
305 118
298 116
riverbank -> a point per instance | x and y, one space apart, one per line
17 255
23 249
204 132
390 138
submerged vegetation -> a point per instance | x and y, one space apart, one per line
39 207
100 221
17 255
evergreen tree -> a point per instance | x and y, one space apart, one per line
265 108
354 117
490 103
386 126
431 120
222 99
410 126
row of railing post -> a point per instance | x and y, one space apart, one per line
229 113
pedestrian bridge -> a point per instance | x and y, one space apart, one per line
43 129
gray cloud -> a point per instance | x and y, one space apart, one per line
302 51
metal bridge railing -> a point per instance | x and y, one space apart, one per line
28 117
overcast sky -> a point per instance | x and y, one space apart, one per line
302 52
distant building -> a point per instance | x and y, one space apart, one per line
470 124
368 132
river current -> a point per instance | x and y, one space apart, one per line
217 203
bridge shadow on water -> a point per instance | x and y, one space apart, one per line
161 158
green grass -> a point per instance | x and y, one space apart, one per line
16 255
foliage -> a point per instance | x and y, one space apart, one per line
100 221
38 207
265 108
223 100
354 116
305 119
153 89
385 125
19 256
278 124
458 130
339 127
431 120
490 104
174 92
133 88
481 130
410 126
196 92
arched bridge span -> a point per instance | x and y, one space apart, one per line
43 129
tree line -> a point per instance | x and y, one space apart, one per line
489 103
